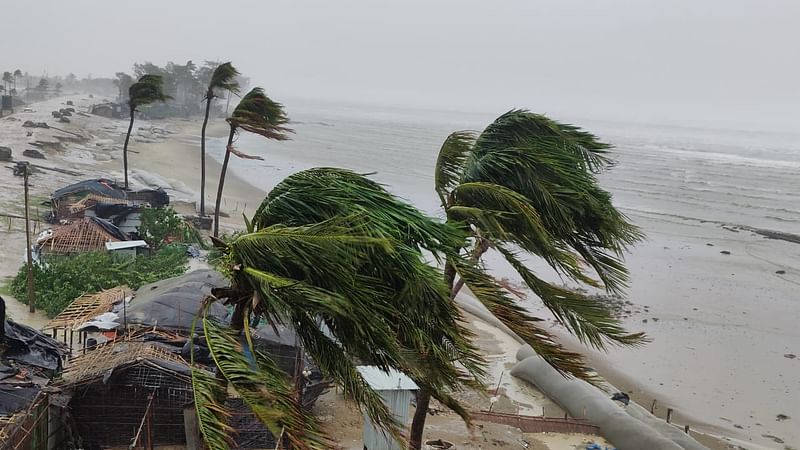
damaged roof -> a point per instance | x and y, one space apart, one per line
99 186
87 234
101 362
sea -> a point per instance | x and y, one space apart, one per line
747 178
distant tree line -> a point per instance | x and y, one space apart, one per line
185 84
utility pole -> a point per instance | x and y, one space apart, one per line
23 169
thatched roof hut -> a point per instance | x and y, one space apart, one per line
85 235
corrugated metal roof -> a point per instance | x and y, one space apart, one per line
125 244
386 381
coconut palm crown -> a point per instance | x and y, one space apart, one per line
526 187
334 255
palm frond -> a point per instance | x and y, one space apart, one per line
211 414
259 114
585 317
503 215
520 128
223 79
209 396
264 387
517 319
319 194
450 162
149 89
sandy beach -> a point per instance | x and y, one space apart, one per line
720 363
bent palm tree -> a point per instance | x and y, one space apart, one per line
526 187
149 89
257 114
223 79
340 259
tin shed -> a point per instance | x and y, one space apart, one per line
397 390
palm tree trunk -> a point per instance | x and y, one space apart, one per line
222 181
209 96
424 394
420 415
480 249
125 149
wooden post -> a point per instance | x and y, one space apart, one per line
686 429
669 414
192 426
653 407
31 298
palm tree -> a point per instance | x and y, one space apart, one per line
17 74
526 187
223 79
257 114
331 250
7 80
149 89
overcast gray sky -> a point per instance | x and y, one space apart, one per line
718 62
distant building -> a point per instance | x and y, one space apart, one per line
110 110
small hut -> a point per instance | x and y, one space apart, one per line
85 235
120 384
396 390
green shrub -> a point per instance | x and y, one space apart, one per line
62 280
163 225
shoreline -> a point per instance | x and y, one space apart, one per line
176 161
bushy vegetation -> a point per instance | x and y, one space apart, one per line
62 280
161 226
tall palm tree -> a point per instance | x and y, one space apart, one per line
341 260
149 89
257 114
526 187
7 80
17 74
223 79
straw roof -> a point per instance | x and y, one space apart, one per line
86 235
116 354
88 306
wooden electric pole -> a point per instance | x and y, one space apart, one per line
24 169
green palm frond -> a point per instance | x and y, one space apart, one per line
263 386
223 79
149 89
504 215
521 128
209 397
450 162
259 114
320 194
211 414
585 317
517 319
527 187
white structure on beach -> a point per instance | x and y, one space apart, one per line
397 390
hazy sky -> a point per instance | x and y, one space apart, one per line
720 62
